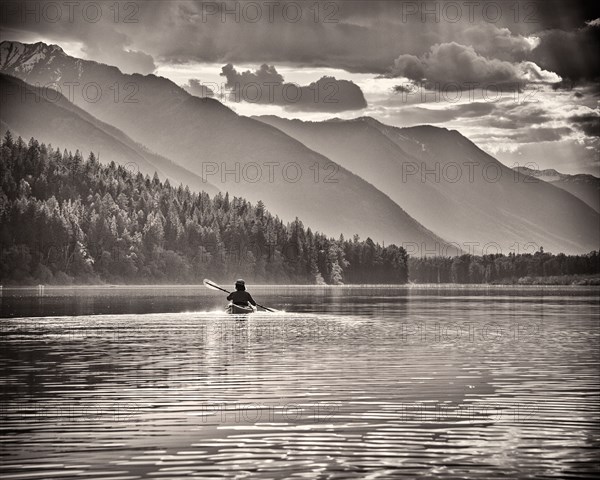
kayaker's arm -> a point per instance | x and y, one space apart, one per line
230 296
251 300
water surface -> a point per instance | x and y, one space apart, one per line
349 382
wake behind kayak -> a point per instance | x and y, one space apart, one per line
232 308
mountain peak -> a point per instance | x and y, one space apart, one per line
26 55
25 46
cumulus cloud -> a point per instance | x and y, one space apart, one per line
533 73
462 67
197 88
492 41
267 86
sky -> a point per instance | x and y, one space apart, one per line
519 78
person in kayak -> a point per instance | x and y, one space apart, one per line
241 296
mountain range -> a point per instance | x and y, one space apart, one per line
584 186
448 183
355 176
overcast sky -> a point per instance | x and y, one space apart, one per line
520 79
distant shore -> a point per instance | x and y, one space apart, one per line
556 280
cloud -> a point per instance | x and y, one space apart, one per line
513 117
196 88
566 155
492 41
358 36
264 75
115 53
511 142
462 67
571 54
267 86
540 134
588 124
419 115
533 73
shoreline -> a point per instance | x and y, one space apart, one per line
589 281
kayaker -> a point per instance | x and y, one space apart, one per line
241 296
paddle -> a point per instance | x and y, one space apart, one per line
214 286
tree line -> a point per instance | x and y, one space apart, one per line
527 268
69 220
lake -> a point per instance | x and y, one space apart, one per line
371 382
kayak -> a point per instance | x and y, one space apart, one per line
238 309
232 308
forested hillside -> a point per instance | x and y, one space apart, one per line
66 219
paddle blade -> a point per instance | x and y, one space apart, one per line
268 309
210 284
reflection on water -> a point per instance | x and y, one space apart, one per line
347 383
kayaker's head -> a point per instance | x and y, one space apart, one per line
240 285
